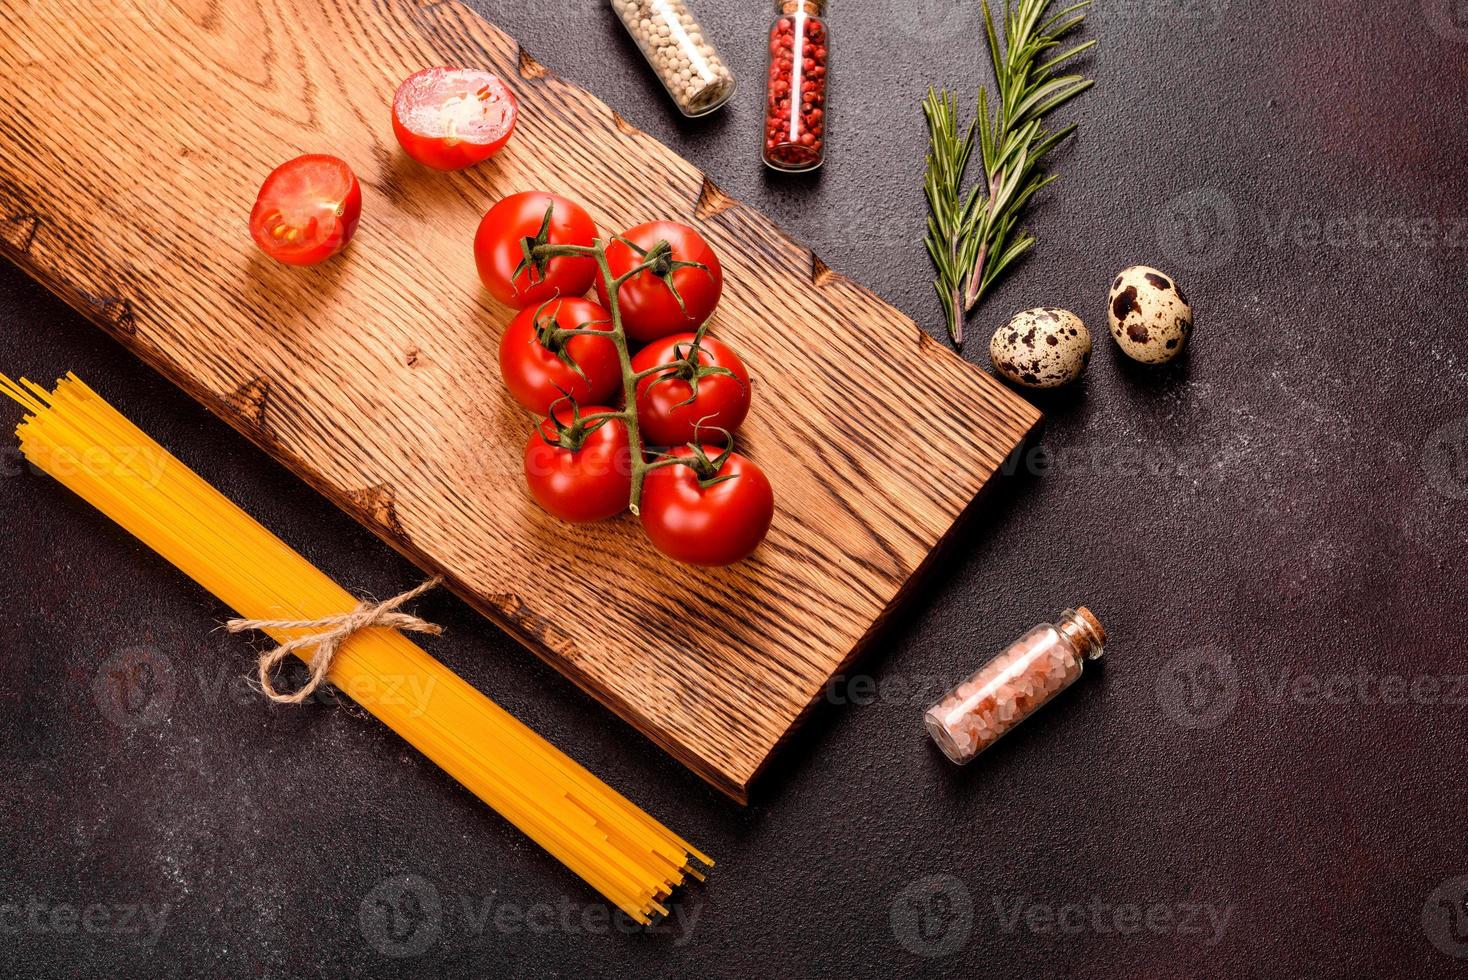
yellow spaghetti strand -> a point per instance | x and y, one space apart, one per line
78 438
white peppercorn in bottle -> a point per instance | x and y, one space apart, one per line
1014 685
679 53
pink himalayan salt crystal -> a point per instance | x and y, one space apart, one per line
1015 684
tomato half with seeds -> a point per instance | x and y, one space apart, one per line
648 307
667 411
530 218
307 210
539 376
580 471
451 118
715 515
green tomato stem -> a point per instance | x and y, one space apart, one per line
640 466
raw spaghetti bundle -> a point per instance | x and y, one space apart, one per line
76 437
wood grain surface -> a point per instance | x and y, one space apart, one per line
133 137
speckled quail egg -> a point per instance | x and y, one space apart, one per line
1041 348
1150 317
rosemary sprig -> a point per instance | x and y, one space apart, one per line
972 238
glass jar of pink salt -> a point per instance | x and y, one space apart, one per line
795 100
1014 685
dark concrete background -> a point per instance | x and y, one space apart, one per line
1273 530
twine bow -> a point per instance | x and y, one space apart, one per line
332 632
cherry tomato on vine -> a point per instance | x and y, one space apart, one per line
451 118
307 210
528 219
587 475
538 377
647 305
667 411
715 513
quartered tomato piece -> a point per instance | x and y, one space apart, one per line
307 210
451 118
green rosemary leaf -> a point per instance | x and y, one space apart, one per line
971 237
1047 144
1048 28
1065 56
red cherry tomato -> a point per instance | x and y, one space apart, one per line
707 525
588 481
451 118
499 249
668 414
648 307
538 377
307 210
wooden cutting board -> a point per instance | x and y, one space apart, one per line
133 137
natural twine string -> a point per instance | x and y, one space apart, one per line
332 632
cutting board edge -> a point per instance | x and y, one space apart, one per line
923 574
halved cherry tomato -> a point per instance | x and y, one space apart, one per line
307 210
667 412
648 307
520 221
539 377
707 515
451 118
587 475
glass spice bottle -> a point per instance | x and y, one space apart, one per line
795 106
1014 685
682 57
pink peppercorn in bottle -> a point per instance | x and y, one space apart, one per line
795 107
1014 685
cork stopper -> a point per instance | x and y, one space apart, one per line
1084 631
814 8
